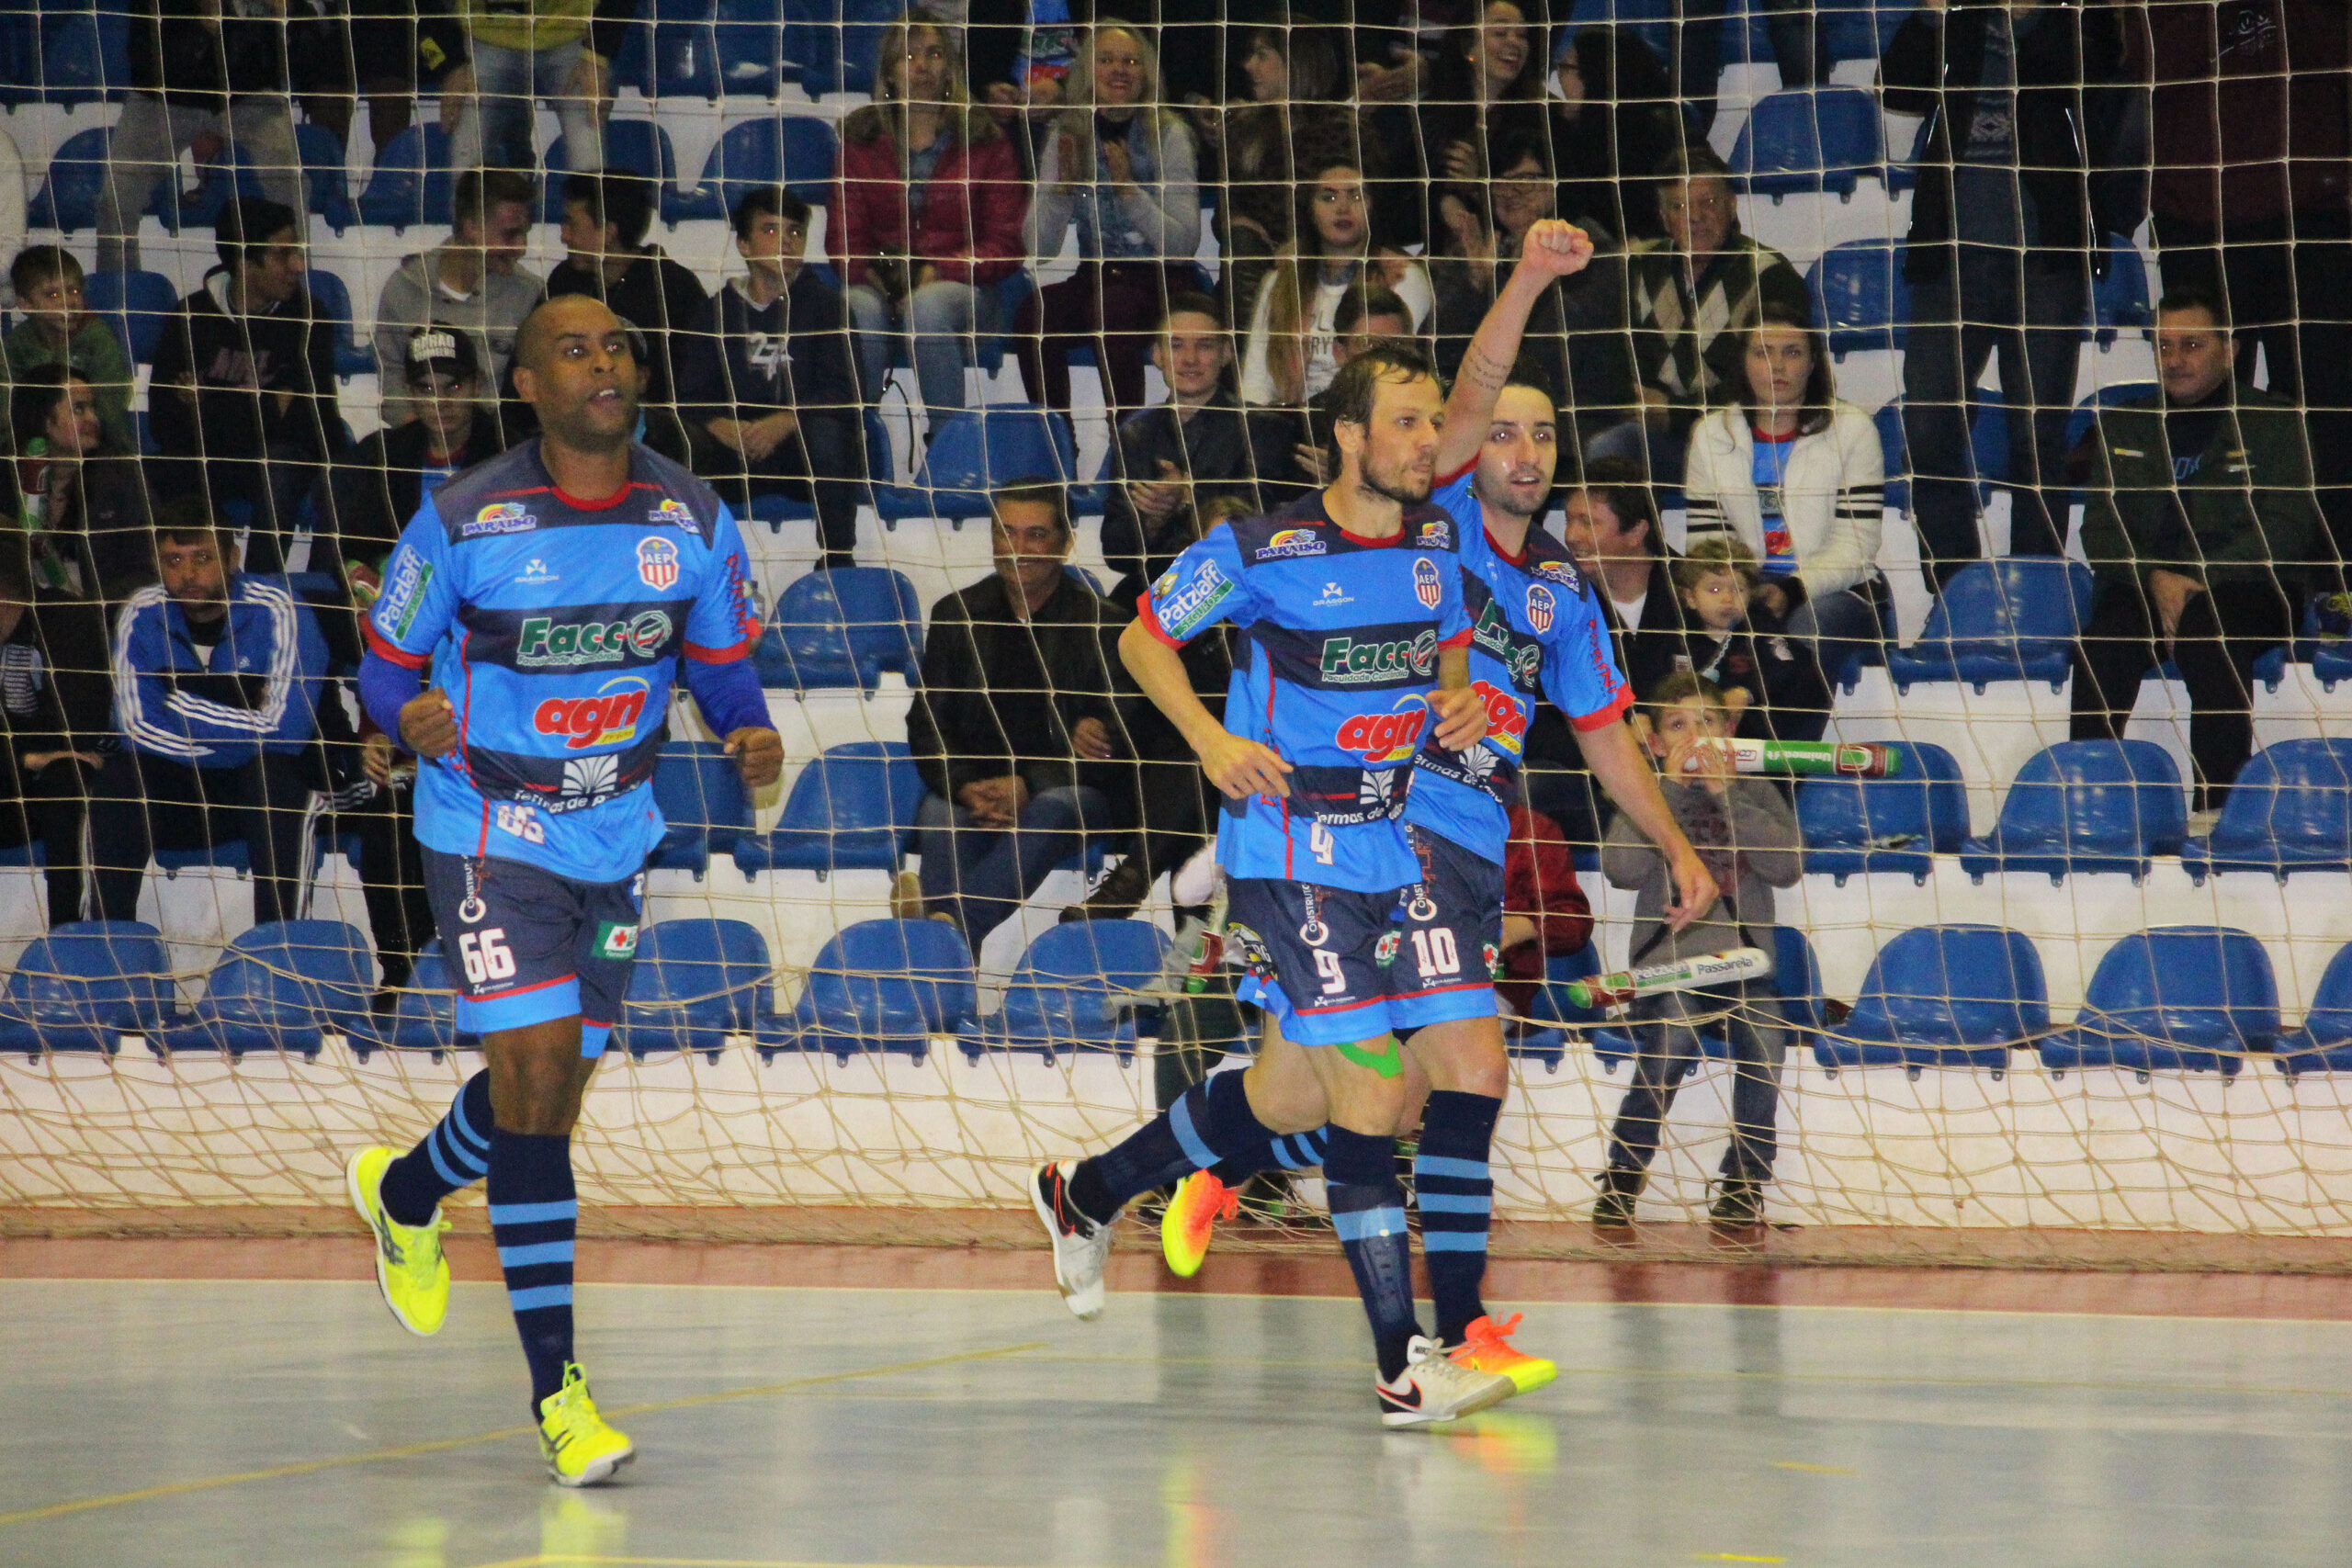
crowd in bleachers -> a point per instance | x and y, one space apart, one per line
1352 176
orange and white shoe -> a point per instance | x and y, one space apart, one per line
1485 1348
1190 1221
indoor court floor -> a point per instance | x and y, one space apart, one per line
814 1407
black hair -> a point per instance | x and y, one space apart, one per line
1191 302
2179 297
617 201
1622 485
1360 302
185 519
1820 385
246 224
774 201
1695 162
34 397
1358 382
37 264
478 190
1037 490
1525 371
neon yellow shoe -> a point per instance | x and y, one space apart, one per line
581 1449
1485 1348
1191 1219
410 1268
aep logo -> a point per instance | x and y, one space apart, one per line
1388 737
606 719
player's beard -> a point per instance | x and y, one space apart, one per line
576 430
1393 485
1506 499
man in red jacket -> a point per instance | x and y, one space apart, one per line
1545 913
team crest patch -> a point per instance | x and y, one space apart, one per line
657 563
1540 607
672 513
1427 585
616 941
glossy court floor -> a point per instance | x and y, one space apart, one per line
941 1409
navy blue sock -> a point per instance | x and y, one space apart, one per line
455 1154
534 1217
1368 1211
1455 1191
1293 1151
1211 1122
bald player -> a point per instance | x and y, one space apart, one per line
531 625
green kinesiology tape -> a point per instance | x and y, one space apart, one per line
1386 1060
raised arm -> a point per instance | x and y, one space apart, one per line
1552 250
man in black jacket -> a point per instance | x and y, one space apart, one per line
1017 728
383 481
604 221
244 386
56 711
208 76
2032 155
764 382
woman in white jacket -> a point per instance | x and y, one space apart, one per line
1798 476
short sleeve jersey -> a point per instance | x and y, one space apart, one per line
555 625
1336 659
1536 628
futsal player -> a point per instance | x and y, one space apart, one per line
1537 633
1354 645
553 592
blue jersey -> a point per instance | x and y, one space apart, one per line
1536 628
555 626
1336 659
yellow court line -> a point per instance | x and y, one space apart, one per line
1734 1557
439 1445
1811 1469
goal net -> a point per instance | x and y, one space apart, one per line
2052 991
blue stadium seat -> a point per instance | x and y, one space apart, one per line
136 305
2289 810
2119 301
2013 619
632 147
2194 998
974 453
69 197
1860 297
85 55
850 810
1543 1034
424 1016
775 510
1854 29
844 627
794 151
1894 454
410 183
682 52
881 985
1944 996
748 35
836 42
1066 993
1885 825
2323 1044
703 800
1988 445
694 983
1821 139
84 986
354 356
1795 976
2087 806
21 72
280 988
326 181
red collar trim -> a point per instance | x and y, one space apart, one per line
1519 559
580 504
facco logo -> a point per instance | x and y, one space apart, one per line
549 644
1347 663
1384 737
608 719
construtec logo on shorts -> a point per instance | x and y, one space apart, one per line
616 941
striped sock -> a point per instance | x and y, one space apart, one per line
455 1154
1210 1122
1292 1151
1455 1191
534 1217
1368 1211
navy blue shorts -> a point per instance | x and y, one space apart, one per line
523 945
1318 957
1451 920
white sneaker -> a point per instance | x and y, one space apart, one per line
1434 1387
1080 1246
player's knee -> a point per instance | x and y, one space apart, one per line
1283 1102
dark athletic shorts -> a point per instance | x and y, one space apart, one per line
1452 925
1316 956
523 945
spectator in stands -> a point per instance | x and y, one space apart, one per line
388 50
1576 335
1798 476
217 678
1771 680
2253 197
392 862
1299 86
475 281
604 221
771 403
1613 119
2032 158
245 380
1287 358
50 747
1801 52
1198 446
1121 167
1694 294
1487 89
2200 524
207 77
385 481
85 501
57 329
519 52
928 222
1367 315
1015 722
1747 833
1546 913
